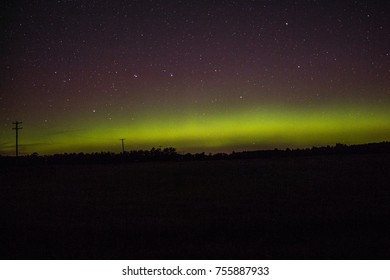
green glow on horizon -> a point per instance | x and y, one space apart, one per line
217 130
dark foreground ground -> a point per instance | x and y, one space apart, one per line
320 207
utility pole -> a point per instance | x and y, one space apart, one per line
123 145
16 128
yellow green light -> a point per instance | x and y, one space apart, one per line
219 130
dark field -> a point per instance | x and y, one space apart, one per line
320 207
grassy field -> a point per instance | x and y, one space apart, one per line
320 207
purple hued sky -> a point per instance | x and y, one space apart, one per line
196 75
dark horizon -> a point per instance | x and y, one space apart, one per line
172 153
324 207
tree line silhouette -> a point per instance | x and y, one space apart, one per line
170 154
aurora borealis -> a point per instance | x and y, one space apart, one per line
206 76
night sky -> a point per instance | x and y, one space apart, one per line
212 76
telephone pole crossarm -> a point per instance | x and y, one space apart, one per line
123 145
16 128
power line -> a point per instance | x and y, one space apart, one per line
16 128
